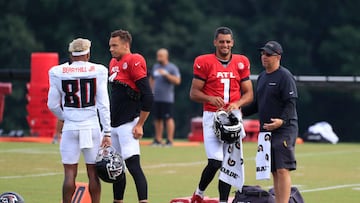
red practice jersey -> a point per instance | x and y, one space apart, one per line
222 81
128 70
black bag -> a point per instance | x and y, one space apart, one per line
295 196
253 194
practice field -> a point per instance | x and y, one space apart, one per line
326 173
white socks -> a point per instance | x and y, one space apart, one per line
199 192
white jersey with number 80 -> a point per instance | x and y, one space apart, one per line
78 91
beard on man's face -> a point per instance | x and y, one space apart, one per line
161 62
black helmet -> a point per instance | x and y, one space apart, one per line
11 197
227 127
110 165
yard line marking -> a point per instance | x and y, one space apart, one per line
184 164
29 151
30 175
175 164
330 188
324 153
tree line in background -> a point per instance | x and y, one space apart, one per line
319 38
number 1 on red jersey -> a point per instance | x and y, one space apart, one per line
226 82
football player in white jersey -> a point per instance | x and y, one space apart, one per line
78 95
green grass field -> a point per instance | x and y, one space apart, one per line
326 173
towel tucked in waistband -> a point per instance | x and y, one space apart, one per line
85 139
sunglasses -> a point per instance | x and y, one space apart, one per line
268 55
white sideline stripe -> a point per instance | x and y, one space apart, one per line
175 164
330 188
38 151
30 176
145 167
29 151
184 164
325 153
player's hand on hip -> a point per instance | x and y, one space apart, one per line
217 101
138 131
275 124
106 141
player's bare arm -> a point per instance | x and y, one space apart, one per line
247 96
152 83
138 129
196 94
59 127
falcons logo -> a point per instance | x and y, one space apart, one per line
8 198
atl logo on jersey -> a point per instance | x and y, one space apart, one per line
225 75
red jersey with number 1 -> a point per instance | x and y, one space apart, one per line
222 81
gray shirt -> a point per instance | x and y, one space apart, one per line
163 89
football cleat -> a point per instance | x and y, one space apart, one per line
196 198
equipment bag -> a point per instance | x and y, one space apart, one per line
295 196
253 194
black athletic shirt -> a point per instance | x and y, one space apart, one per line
275 97
123 108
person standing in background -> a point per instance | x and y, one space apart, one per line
164 76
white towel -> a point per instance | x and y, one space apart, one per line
263 156
232 169
85 139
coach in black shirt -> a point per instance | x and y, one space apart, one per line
275 101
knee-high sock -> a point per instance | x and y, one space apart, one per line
133 165
119 189
224 190
208 173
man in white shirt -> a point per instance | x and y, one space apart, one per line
78 95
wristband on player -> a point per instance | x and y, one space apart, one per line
107 134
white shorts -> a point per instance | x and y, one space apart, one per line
213 147
123 140
70 147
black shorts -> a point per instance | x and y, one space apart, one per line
162 110
283 152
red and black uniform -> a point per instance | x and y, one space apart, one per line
130 89
222 80
130 94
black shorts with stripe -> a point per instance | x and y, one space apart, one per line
283 151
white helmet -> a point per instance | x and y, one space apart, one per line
11 197
227 127
110 165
